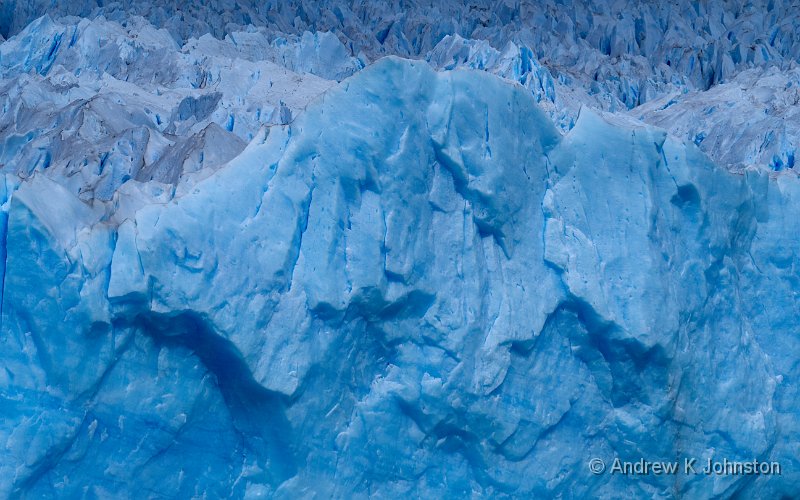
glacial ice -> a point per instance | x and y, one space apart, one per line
418 287
610 55
242 255
142 108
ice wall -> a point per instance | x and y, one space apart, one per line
418 287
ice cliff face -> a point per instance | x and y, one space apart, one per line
418 287
241 255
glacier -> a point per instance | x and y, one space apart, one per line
411 302
613 55
267 262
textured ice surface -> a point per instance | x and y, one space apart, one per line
226 274
751 120
418 287
612 55
92 104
